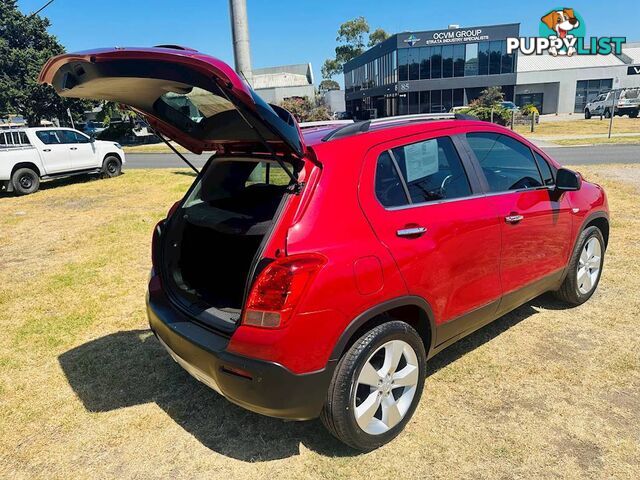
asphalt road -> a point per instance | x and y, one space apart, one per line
565 155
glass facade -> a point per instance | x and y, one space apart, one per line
462 60
376 73
587 90
455 60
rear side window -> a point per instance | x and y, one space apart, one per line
545 170
428 171
13 139
48 137
68 136
506 163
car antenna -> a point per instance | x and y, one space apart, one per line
157 134
297 186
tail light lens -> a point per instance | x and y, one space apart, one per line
278 289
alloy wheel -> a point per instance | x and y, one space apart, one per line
589 265
385 387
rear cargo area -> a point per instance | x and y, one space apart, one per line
212 241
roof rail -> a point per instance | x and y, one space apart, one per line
360 127
325 123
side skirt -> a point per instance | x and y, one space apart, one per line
452 331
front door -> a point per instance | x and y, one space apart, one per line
81 150
55 154
443 234
535 220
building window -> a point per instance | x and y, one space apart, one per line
425 62
483 58
447 61
495 57
588 90
414 64
403 69
425 102
536 99
436 62
436 101
403 104
447 100
507 60
458 60
471 60
458 97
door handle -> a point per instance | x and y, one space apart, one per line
411 232
513 218
74 148
46 150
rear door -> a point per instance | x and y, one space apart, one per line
55 154
194 99
81 150
425 205
535 220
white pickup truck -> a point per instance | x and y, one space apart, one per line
29 155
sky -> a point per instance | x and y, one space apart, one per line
289 31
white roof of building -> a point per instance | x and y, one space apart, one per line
632 50
536 63
283 76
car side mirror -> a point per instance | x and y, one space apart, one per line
568 180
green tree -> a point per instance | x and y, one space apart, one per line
25 45
353 37
377 36
305 110
326 85
489 97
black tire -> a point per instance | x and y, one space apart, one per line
633 114
587 114
338 414
111 167
607 113
25 181
569 291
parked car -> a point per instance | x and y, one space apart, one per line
509 106
313 274
627 103
29 155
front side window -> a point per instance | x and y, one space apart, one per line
545 170
428 171
49 137
506 163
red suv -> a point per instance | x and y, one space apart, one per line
313 273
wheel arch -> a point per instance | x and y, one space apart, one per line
111 154
410 309
600 220
30 165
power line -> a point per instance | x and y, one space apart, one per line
41 8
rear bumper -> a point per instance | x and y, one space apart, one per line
268 388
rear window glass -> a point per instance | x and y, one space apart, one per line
429 170
253 189
197 104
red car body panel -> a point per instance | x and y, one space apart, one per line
467 268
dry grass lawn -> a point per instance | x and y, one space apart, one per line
582 127
631 139
87 392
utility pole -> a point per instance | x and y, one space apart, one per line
240 34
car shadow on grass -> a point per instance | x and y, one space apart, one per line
130 368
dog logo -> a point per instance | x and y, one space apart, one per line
562 24
562 33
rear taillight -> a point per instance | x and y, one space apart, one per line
279 288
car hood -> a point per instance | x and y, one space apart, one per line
194 99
